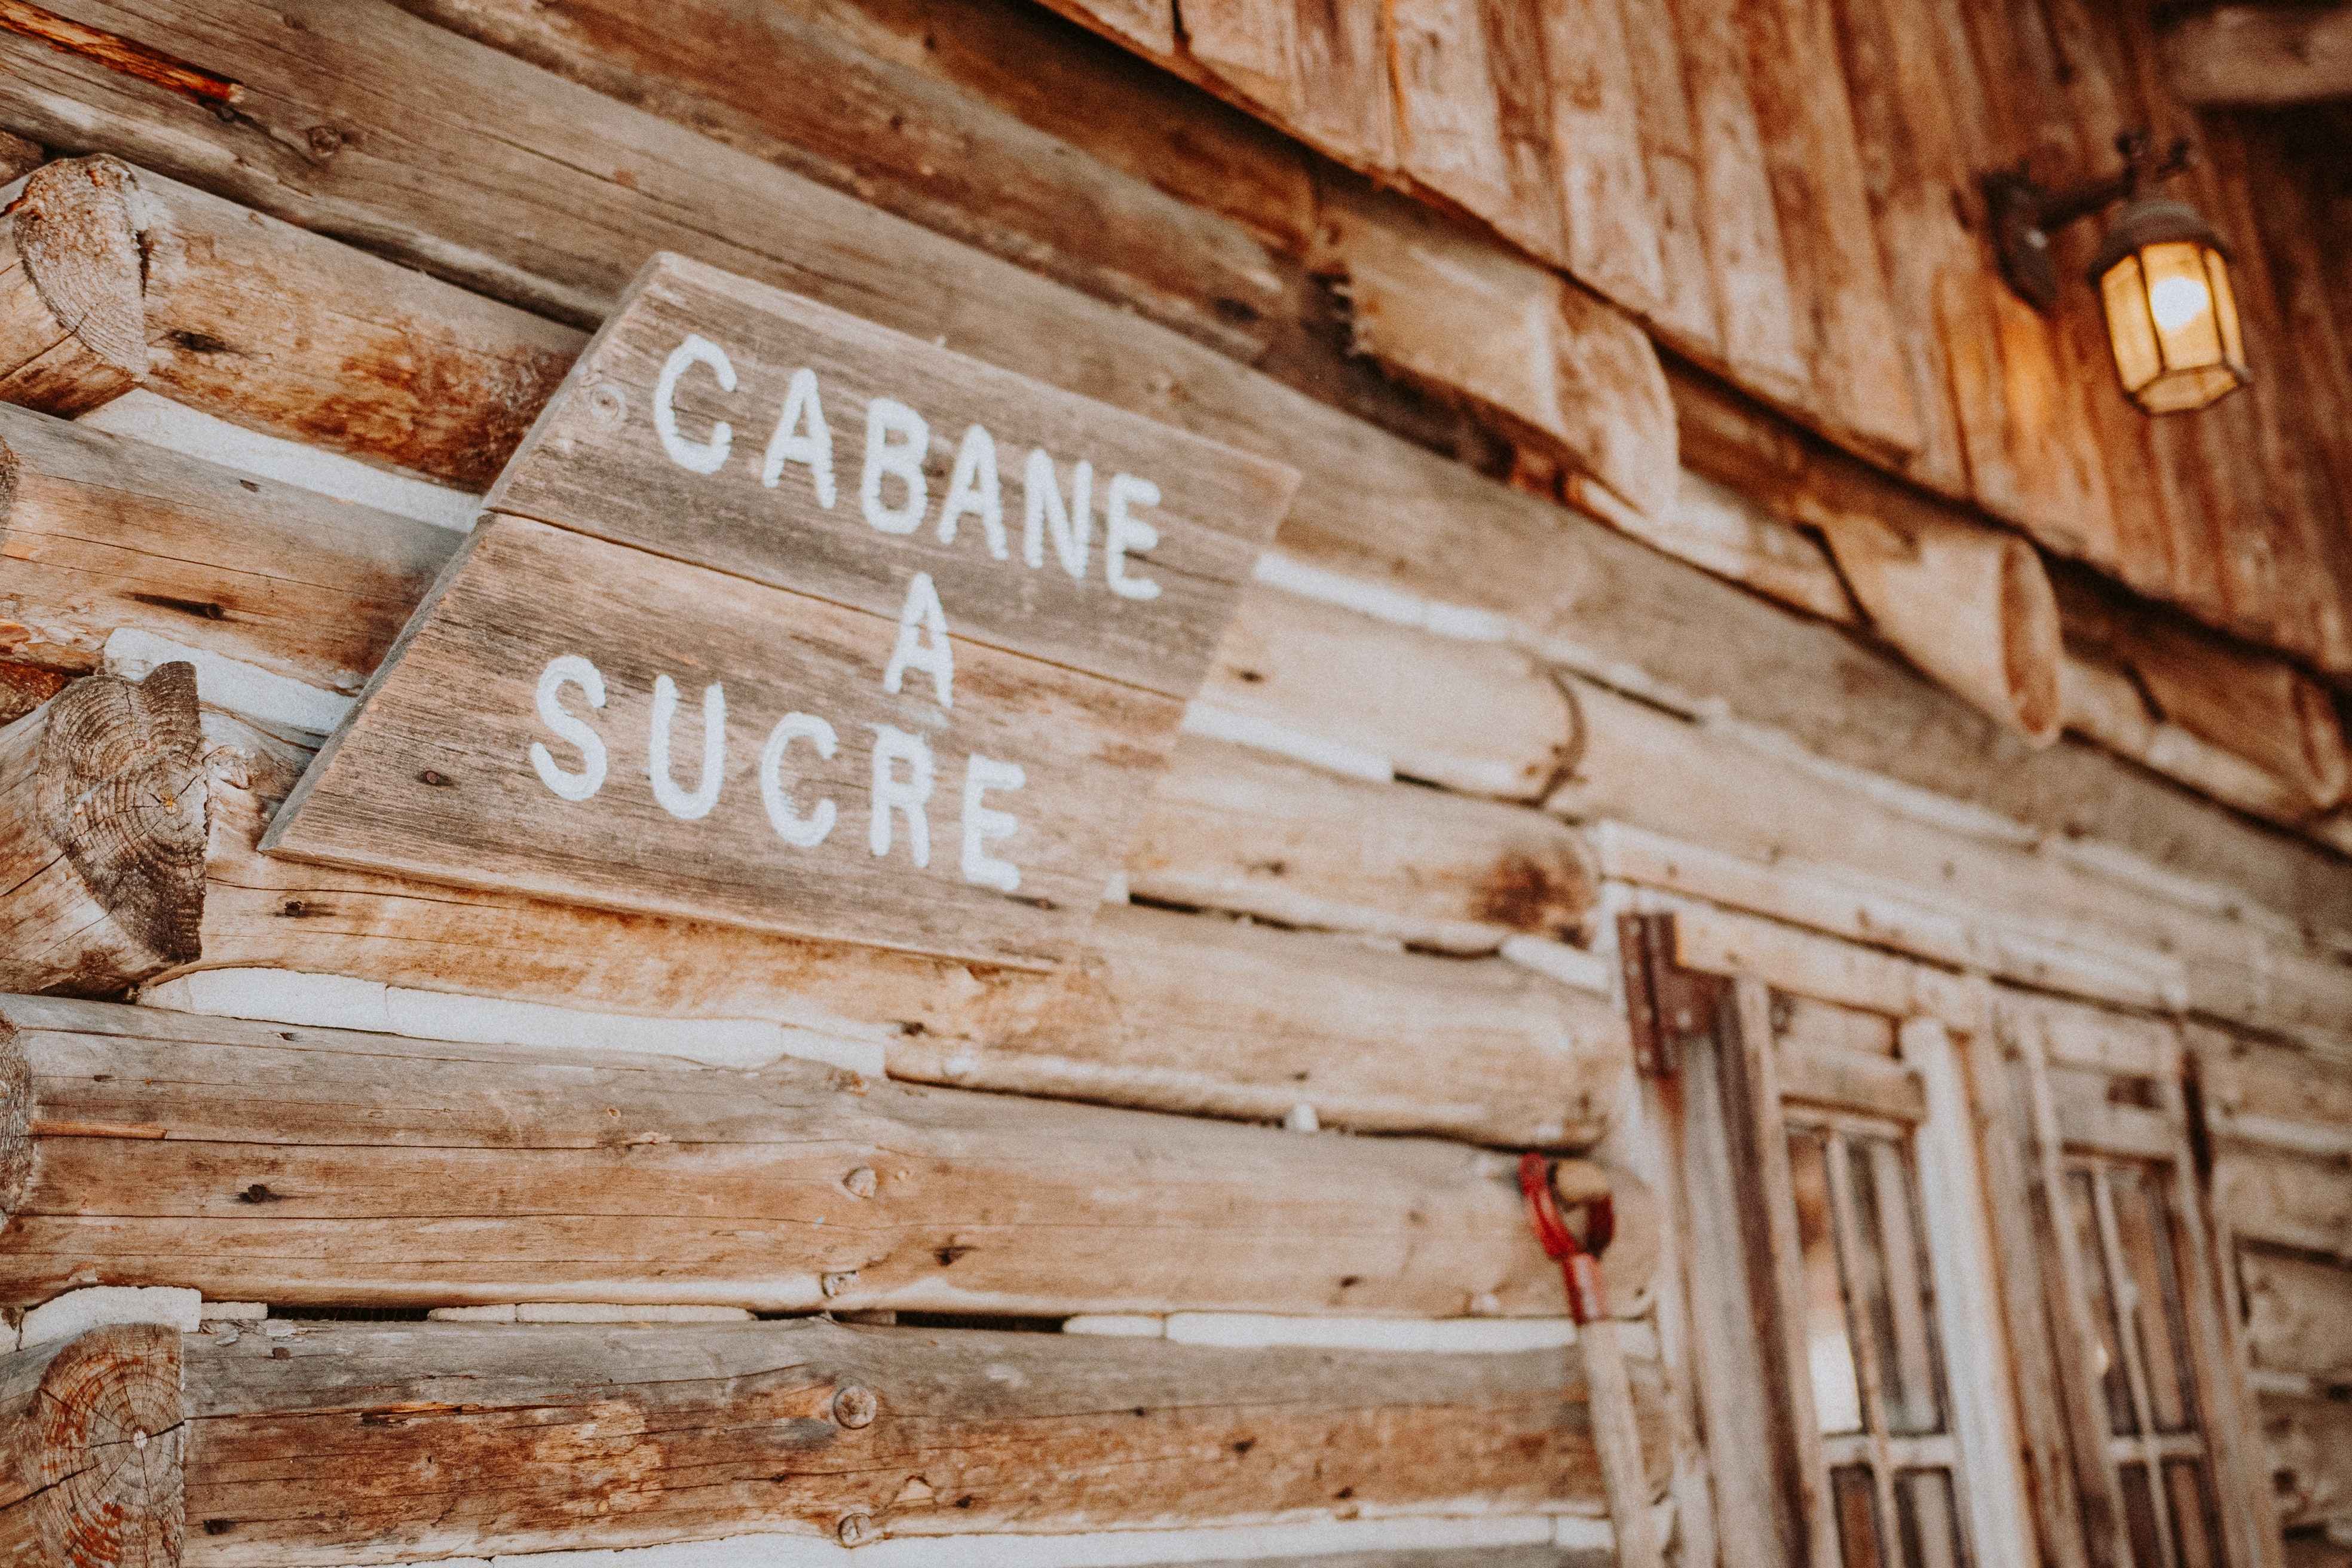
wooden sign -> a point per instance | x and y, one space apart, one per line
789 621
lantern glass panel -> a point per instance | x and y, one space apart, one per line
2138 358
2180 300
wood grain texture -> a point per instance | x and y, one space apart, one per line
1373 506
1480 718
874 122
2237 54
1266 1012
685 1434
1607 210
2309 1443
93 1437
433 776
1231 828
1435 303
102 823
1686 309
596 463
58 280
2296 1316
101 533
334 1167
2295 1200
1193 1001
285 331
1837 278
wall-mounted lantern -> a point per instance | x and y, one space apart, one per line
2162 275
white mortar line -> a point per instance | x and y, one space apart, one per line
143 416
342 1002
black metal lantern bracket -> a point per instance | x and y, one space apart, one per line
2025 212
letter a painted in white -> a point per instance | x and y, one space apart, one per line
922 614
816 448
974 489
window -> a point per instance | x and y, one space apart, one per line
2146 1406
1846 1335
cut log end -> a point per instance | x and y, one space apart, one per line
76 230
122 790
101 1456
1971 606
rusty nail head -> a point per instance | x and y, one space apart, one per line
855 1528
856 1406
861 1181
834 1284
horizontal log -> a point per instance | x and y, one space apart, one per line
1484 1030
2298 1315
2261 54
2280 1095
1212 1016
386 1441
533 218
2251 704
1571 376
271 327
1231 828
91 1444
2308 1443
1789 820
102 811
326 1166
1477 717
102 534
2101 702
884 131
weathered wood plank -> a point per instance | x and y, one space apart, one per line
1753 299
1435 303
317 1165
881 129
378 1438
2296 1319
2252 704
1608 213
2261 54
1685 308
1196 1001
1859 384
1448 114
1373 506
2273 1086
435 775
92 1446
1269 1020
102 534
2296 1200
1482 718
281 330
1230 828
642 453
102 823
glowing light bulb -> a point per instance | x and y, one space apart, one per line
2176 301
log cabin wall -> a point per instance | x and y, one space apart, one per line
1693 529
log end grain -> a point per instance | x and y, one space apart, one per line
99 1446
108 801
78 238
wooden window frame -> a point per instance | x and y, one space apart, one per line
1708 995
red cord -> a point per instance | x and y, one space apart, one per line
1579 1269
